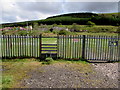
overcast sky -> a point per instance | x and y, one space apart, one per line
20 10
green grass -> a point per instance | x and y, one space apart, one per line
97 34
7 81
15 70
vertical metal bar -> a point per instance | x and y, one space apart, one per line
98 48
35 43
87 47
36 46
1 48
96 56
83 47
103 40
67 46
8 47
106 46
80 46
73 53
101 48
75 48
20 46
63 47
29 50
92 45
70 47
3 44
13 37
15 49
28 45
24 46
32 46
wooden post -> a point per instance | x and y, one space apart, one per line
83 47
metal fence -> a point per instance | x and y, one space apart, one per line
20 46
106 48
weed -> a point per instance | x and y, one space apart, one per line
48 61
7 81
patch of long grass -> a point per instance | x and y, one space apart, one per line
7 81
17 69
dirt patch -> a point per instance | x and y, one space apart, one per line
73 75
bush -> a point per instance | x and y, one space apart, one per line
89 23
48 31
54 25
62 32
22 33
55 31
75 27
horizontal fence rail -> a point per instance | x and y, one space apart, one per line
49 49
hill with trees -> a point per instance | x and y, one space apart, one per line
70 18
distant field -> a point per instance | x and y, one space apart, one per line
96 34
95 30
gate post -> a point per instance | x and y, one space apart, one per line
57 45
83 47
40 42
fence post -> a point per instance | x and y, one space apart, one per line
57 45
83 47
40 36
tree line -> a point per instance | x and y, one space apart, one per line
69 19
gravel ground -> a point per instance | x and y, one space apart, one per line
64 75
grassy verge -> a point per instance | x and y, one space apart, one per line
15 70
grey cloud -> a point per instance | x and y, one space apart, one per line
43 7
8 18
92 6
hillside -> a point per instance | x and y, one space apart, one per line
70 18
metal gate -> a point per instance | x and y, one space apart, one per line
105 48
